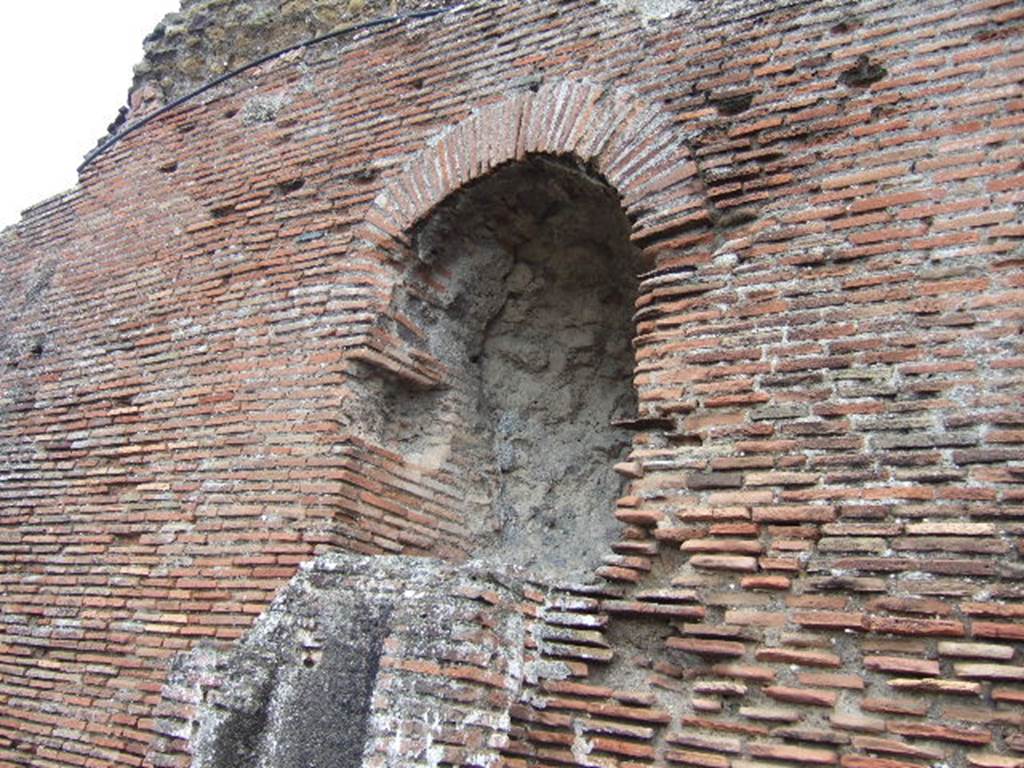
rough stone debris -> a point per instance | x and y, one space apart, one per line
207 526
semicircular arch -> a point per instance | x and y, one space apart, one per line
629 142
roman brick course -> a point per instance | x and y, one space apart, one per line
820 553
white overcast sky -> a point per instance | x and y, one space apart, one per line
65 68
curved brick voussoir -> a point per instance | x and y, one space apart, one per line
620 136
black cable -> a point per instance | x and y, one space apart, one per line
111 141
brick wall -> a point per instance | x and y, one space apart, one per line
821 559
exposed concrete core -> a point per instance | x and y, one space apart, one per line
530 308
304 689
296 698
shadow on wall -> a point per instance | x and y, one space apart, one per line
525 293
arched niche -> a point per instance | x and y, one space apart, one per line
607 176
523 292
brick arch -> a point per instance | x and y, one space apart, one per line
625 141
629 141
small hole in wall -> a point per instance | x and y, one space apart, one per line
530 83
998 33
365 174
863 73
311 658
732 103
845 25
220 211
677 438
733 217
292 185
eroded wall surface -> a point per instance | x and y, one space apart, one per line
819 559
392 658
